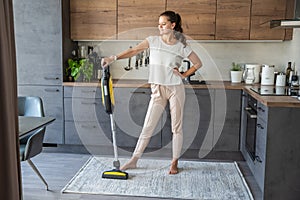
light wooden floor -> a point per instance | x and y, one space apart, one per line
59 168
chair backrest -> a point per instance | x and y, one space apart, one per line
30 106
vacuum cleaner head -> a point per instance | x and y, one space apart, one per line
115 174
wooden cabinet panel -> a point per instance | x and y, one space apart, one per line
198 17
262 13
93 19
201 19
138 19
233 20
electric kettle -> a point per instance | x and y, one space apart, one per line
267 75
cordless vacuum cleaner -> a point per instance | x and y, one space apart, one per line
108 102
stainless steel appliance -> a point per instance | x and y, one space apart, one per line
250 112
288 23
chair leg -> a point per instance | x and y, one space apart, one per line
37 172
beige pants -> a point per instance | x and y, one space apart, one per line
160 96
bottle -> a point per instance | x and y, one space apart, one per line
287 73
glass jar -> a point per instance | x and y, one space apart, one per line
249 76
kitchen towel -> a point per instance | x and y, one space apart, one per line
196 180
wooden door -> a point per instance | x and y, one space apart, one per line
233 19
262 13
198 17
138 19
93 19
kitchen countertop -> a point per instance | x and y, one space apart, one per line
145 84
271 101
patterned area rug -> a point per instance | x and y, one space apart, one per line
196 180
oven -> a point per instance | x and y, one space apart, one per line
250 116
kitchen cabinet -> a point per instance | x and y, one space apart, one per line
233 19
275 166
197 122
86 122
261 14
131 105
198 17
38 37
93 19
227 106
138 19
201 19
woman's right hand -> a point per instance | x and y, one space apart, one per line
107 60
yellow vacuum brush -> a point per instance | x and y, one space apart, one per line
108 102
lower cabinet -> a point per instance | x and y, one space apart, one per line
276 162
52 97
131 106
227 118
197 122
86 122
210 122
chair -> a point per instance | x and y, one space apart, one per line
32 144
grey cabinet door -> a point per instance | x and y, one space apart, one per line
227 120
261 144
86 122
129 114
38 35
197 122
88 133
52 97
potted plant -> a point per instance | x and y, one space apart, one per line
236 73
79 68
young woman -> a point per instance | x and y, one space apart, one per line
166 54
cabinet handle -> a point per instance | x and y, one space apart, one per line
51 90
88 91
257 158
51 78
260 126
261 109
137 92
86 126
89 103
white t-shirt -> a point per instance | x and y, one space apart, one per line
163 59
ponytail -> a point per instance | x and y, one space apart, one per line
178 31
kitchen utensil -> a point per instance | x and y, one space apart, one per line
267 75
249 76
128 67
256 69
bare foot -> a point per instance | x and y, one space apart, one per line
174 168
131 164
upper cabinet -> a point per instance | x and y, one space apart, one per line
93 19
262 13
201 19
138 19
233 19
198 17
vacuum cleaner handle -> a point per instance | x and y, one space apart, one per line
106 90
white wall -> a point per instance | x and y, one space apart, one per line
217 56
